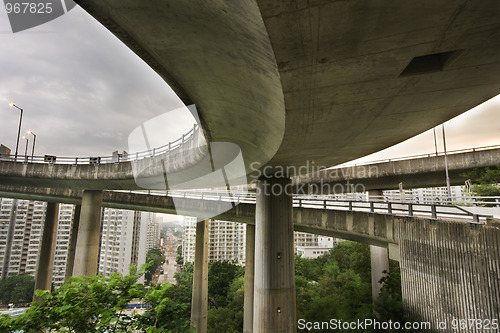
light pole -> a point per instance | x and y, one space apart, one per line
26 149
19 130
34 141
435 141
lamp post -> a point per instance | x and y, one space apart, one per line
446 166
33 148
26 149
435 141
19 130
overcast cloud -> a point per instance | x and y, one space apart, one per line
81 89
84 92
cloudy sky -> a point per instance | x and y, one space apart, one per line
84 92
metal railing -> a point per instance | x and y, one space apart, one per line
353 202
96 160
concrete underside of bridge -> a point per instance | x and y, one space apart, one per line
323 81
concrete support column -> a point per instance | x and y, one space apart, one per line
70 261
199 302
379 263
43 276
378 255
87 244
274 283
249 280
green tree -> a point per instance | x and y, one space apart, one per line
335 285
179 259
17 289
229 318
184 288
83 304
167 313
220 276
486 181
155 258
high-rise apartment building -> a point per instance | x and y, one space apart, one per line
429 195
21 228
64 224
21 223
226 241
189 239
115 255
126 236
153 235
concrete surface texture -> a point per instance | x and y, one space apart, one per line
450 271
215 54
324 81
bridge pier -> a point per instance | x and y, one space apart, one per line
70 261
199 301
379 263
379 257
89 229
274 282
43 277
249 279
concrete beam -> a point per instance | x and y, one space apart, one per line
418 172
87 244
43 276
373 229
414 173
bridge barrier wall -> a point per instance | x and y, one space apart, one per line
450 271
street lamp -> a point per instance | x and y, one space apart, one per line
448 187
34 141
435 141
26 149
19 131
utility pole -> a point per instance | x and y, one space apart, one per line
435 141
446 166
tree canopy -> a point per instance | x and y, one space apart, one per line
156 259
17 289
486 182
98 304
334 285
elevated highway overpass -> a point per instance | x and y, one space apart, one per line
426 171
350 219
453 244
311 81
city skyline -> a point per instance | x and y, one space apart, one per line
83 92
